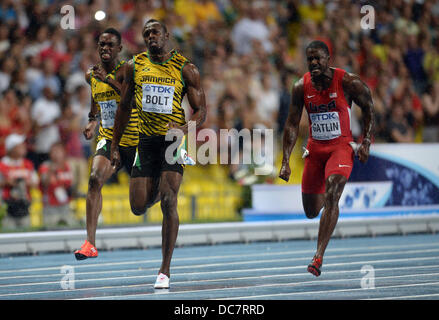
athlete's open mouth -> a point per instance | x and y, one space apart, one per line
315 71
105 55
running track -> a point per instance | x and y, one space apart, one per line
404 267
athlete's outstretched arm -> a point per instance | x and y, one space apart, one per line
195 95
123 112
291 129
360 94
92 115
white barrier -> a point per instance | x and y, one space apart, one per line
212 233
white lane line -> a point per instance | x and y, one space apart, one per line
328 252
274 269
407 297
258 261
330 291
288 284
213 280
241 263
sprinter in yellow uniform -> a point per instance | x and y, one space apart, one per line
105 80
158 80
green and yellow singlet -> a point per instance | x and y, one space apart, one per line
159 91
108 99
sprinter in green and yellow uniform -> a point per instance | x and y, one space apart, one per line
158 79
105 80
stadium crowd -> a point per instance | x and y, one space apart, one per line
249 53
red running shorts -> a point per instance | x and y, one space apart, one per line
324 160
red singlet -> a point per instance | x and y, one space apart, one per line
329 116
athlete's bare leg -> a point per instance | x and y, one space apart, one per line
169 185
334 188
144 193
101 171
312 204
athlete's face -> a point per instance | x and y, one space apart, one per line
109 47
318 62
155 37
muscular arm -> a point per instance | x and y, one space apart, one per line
195 95
116 83
93 114
123 112
359 92
291 129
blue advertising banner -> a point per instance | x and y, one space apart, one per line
397 180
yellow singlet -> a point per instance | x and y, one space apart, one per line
108 99
159 91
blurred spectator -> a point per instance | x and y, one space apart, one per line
80 107
206 10
47 79
430 101
5 44
398 126
267 104
45 112
6 68
284 102
56 181
431 62
312 10
413 58
70 127
17 177
251 29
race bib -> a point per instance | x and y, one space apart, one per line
157 98
108 113
325 125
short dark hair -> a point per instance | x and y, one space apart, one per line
317 44
114 32
159 22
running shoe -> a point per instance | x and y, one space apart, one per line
162 282
87 251
315 265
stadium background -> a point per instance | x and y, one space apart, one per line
249 53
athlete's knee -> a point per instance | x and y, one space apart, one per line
138 210
334 189
168 201
311 211
311 214
333 194
312 204
95 181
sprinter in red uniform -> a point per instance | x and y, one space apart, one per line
327 94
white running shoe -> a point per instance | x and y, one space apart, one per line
162 282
